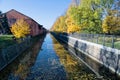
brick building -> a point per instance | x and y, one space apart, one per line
13 15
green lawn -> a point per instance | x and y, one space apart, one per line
108 43
117 45
6 40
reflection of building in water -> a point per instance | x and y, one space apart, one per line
29 59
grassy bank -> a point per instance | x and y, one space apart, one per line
6 40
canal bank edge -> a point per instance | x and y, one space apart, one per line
10 53
107 56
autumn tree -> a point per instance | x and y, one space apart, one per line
60 25
91 16
111 23
20 29
111 16
106 6
70 22
87 16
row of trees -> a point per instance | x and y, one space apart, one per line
90 16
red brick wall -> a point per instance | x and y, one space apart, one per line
14 15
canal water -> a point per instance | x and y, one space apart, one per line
51 59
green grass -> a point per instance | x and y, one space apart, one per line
108 42
117 45
6 40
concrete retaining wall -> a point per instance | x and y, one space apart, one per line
107 56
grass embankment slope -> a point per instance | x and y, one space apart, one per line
6 40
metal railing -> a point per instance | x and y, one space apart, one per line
112 41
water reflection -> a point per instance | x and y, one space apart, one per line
53 62
75 69
102 73
19 69
47 65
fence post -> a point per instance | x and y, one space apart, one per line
97 39
112 41
104 40
87 37
92 37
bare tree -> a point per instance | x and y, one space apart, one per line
75 2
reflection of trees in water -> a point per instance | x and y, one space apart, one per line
21 66
75 70
28 60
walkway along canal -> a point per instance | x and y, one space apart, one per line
51 59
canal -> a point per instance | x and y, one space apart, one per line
51 59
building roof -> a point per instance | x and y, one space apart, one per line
19 15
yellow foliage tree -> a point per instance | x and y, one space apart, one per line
20 29
71 26
111 24
59 25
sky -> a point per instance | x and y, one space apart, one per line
45 12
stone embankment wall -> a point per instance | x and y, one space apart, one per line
8 54
107 56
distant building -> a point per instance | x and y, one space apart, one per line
13 15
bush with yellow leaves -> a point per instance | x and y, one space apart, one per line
20 29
